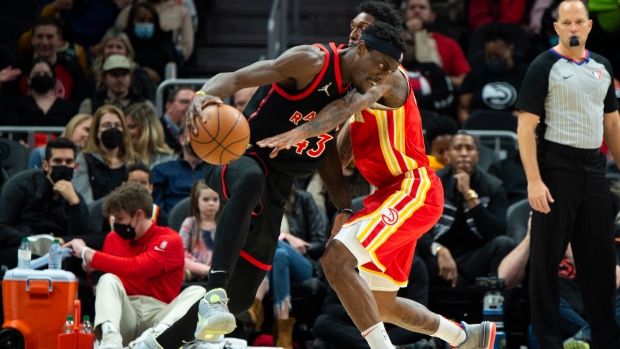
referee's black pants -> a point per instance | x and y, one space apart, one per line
582 215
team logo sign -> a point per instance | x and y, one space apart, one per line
597 74
391 217
499 95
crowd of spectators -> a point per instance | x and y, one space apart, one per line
92 67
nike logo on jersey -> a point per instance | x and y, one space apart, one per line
566 77
391 218
324 89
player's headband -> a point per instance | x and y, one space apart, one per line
374 43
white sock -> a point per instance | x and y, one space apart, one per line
377 338
108 327
450 332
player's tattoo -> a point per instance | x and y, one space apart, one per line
417 317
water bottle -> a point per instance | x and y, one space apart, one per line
68 327
178 43
24 255
170 71
86 326
55 256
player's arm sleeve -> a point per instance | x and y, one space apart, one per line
534 89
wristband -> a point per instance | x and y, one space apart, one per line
84 252
346 210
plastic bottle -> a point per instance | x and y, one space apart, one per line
86 326
24 255
178 43
55 256
68 327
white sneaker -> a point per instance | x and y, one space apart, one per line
480 336
40 244
213 315
149 331
148 343
110 338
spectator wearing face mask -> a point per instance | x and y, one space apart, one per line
102 164
41 107
153 46
493 85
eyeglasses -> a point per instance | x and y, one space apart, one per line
109 125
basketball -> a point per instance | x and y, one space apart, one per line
223 137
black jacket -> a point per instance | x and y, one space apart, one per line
28 208
483 223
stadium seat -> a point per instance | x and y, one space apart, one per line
177 214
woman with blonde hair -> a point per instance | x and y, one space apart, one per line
102 163
76 130
147 135
116 42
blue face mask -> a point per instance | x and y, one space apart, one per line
554 40
144 30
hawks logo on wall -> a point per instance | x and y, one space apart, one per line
499 95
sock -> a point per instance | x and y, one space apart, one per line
181 331
108 327
217 279
450 332
377 338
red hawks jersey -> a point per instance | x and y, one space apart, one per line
389 143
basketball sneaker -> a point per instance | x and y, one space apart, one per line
574 343
153 331
213 315
110 338
480 336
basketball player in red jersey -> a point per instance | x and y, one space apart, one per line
387 143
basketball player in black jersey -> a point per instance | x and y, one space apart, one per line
295 87
339 264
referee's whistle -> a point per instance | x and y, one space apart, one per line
574 41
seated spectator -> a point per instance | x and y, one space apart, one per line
469 240
66 44
242 97
297 258
335 329
574 327
102 164
495 84
175 18
173 180
77 131
116 42
40 107
439 132
433 46
431 86
147 135
141 174
143 266
153 46
70 81
491 11
510 171
176 107
117 87
43 202
198 231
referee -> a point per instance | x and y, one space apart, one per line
566 107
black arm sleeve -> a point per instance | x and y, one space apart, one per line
611 102
534 89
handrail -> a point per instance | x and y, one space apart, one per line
159 93
277 28
31 130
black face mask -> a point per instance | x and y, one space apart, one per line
61 172
112 138
125 231
42 83
497 65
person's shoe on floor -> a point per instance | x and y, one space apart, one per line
481 336
213 315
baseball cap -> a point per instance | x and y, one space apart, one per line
116 62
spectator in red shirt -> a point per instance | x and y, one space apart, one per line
494 11
432 46
144 271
